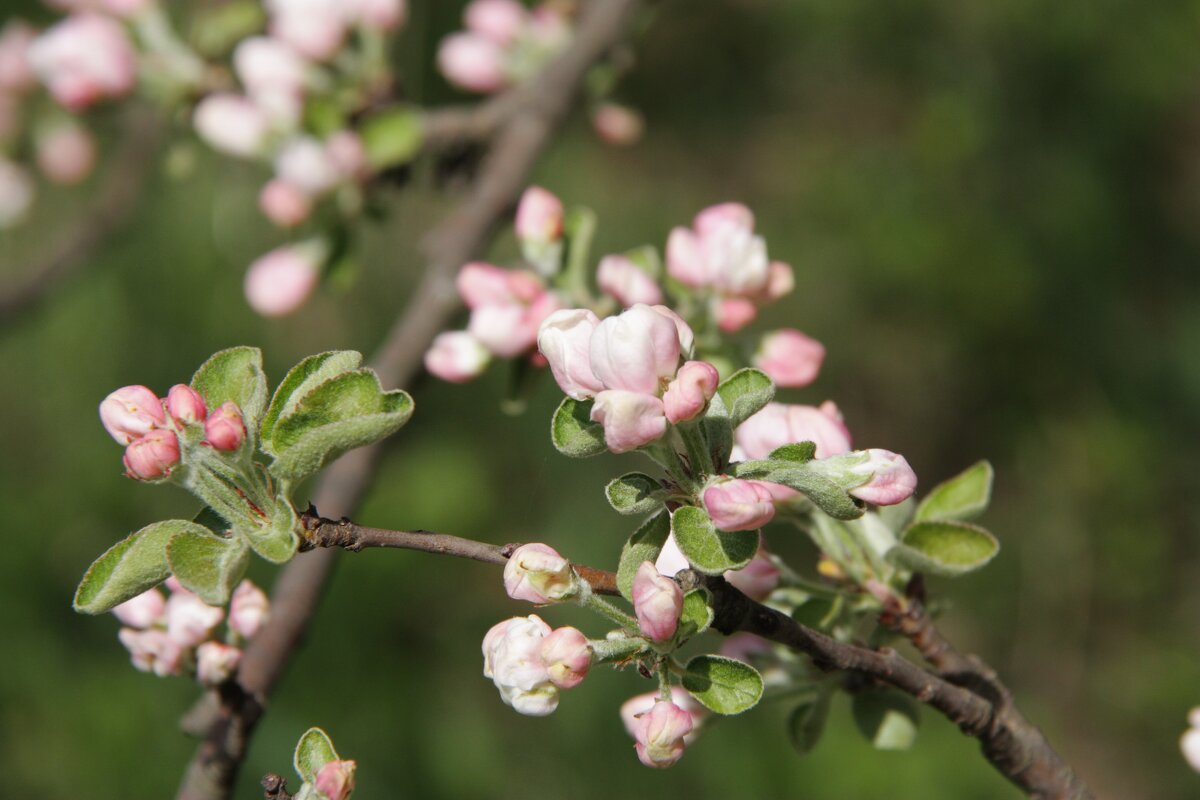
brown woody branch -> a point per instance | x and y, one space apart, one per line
517 142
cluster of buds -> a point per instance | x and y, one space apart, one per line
174 635
503 44
151 428
529 662
661 728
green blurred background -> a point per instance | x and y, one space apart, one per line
993 209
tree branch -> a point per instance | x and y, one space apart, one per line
518 142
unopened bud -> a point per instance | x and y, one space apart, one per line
689 393
891 480
657 602
457 357
143 610
789 357
537 573
567 656
152 456
224 429
216 662
130 413
284 203
734 504
189 619
335 780
66 154
186 405
659 734
248 609
539 216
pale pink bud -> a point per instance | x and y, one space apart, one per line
231 124
66 154
617 124
789 357
248 609
347 154
686 337
671 560
537 573
305 163
480 284
539 216
620 277
186 405
382 15
314 28
630 419
335 780
757 579
512 659
284 203
152 456
780 280
778 424
564 338
472 62
638 705
685 259
142 611
500 21
715 219
83 59
891 481
225 429
567 656
189 619
659 734
131 412
216 662
687 395
16 75
738 505
16 193
657 602
636 351
266 65
153 651
734 313
510 330
457 357
280 281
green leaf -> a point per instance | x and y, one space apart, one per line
697 613
313 751
347 411
963 497
573 432
887 718
278 541
718 431
745 392
302 379
392 138
207 564
799 452
235 374
634 493
807 722
723 685
826 493
708 550
644 545
944 548
129 567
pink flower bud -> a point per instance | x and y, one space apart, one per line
891 480
285 204
500 21
457 357
617 124
510 330
16 193
481 284
564 338
630 419
348 154
738 505
637 351
152 456
142 611
512 659
381 15
716 219
539 216
189 619
66 154
335 780
657 602
619 277
16 75
757 579
778 424
131 412
537 573
185 405
687 395
567 656
83 59
216 662
639 705
225 429
789 357
153 651
659 734
472 62
685 260
248 610
780 280
305 163
231 124
682 329
279 282
734 313
266 65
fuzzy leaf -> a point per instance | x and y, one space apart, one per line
573 432
634 493
313 751
825 493
887 718
723 685
745 392
807 722
302 379
207 564
129 567
799 452
235 374
644 545
392 138
718 431
944 548
276 542
963 497
697 614
708 550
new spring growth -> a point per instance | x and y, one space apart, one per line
537 573
528 664
335 780
657 602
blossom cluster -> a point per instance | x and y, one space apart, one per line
530 662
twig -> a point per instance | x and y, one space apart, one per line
275 787
516 145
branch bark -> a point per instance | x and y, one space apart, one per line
518 141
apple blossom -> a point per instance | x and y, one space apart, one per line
630 419
738 505
537 573
619 277
248 609
83 59
216 662
152 456
789 357
567 656
657 602
279 282
890 479
231 124
564 338
633 708
185 405
153 650
688 395
335 780
659 734
778 424
456 356
131 412
512 659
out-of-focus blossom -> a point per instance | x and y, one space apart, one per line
231 124
314 28
190 620
305 163
757 579
382 15
539 216
16 74
248 609
284 203
143 610
66 154
619 277
84 59
789 357
778 424
472 62
153 651
215 662
16 193
500 21
456 356
617 124
280 281
1189 743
